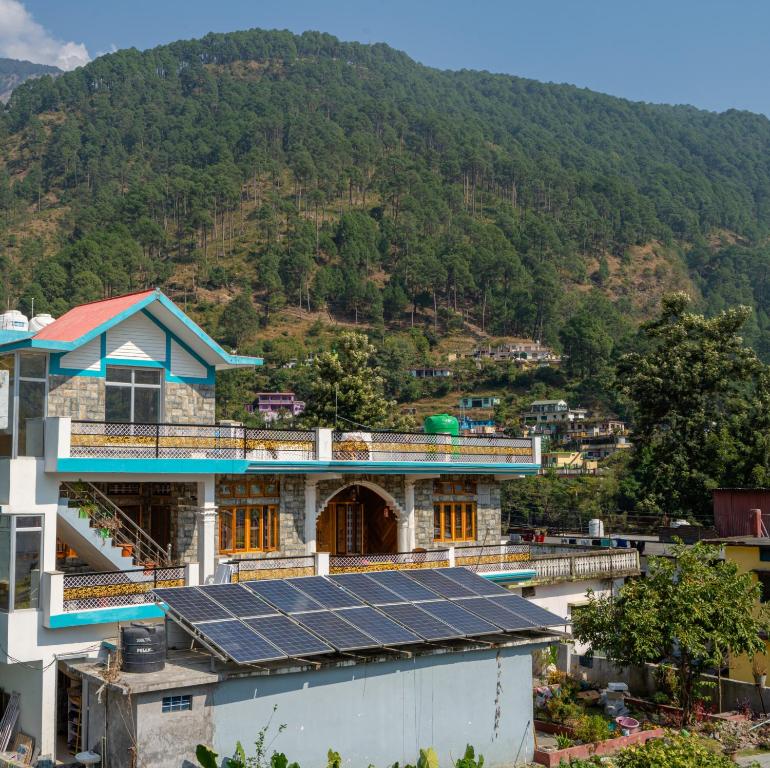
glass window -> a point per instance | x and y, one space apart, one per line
26 575
147 406
7 363
118 375
5 563
31 407
117 403
32 365
176 704
454 522
133 395
248 529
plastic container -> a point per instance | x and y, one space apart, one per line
441 424
628 725
595 528
143 648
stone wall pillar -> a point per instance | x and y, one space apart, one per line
311 501
406 526
207 528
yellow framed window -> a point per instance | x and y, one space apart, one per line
454 521
251 528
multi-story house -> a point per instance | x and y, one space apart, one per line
551 416
479 401
271 406
110 449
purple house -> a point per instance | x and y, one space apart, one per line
270 405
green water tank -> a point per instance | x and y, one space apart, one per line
441 424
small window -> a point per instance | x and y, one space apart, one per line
176 703
763 577
764 554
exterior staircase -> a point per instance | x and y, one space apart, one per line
102 534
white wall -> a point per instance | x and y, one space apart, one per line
559 598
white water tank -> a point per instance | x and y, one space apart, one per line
13 320
595 528
40 321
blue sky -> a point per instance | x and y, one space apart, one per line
710 54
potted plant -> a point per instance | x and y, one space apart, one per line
759 668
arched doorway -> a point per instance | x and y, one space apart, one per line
357 521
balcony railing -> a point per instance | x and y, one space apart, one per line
78 439
111 589
273 568
492 558
420 447
434 558
188 441
585 565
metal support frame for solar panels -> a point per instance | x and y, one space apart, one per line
195 634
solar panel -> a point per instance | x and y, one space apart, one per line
191 604
336 631
477 584
325 592
289 637
458 617
534 613
403 586
384 630
495 614
241 602
240 643
283 596
443 586
420 622
365 588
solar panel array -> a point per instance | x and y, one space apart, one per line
277 619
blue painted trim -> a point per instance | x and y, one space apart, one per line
68 346
106 615
509 576
55 367
242 466
209 378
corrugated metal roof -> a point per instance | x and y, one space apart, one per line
82 319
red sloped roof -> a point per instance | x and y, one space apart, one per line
76 323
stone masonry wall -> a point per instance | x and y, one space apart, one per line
292 515
189 403
82 397
79 397
184 523
423 514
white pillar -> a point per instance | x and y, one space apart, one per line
321 563
406 527
311 500
207 528
48 682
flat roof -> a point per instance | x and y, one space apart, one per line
191 668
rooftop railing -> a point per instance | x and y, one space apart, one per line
421 447
189 441
124 440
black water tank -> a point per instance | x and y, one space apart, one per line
143 647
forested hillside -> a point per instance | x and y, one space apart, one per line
301 171
14 72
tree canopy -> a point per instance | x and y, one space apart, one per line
690 610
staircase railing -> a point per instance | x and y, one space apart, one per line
104 514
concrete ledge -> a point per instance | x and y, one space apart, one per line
598 748
106 615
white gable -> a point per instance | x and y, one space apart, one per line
137 338
184 364
85 358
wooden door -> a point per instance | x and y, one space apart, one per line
340 528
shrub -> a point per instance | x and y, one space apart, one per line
591 728
563 741
675 751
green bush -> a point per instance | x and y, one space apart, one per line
674 751
563 741
591 728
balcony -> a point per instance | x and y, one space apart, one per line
96 598
94 446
